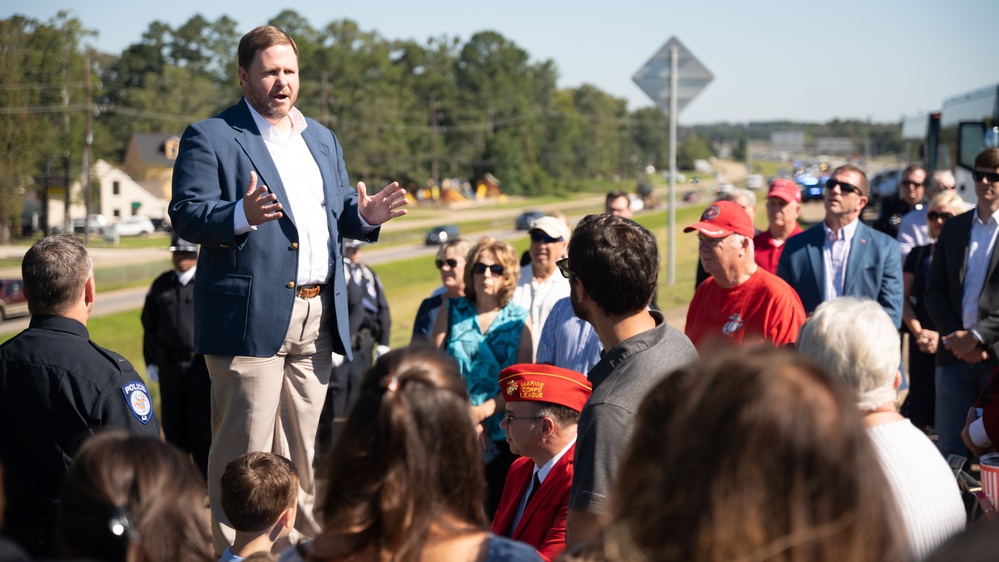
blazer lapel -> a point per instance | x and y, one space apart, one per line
817 262
321 154
964 239
858 252
248 137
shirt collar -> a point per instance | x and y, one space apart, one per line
186 276
848 231
543 471
993 218
269 132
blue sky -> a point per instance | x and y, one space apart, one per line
777 59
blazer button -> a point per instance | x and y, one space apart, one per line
294 245
224 246
290 285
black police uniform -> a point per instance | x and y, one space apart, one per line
56 389
185 385
892 210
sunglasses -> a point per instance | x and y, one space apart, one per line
933 216
910 183
843 187
452 263
563 268
480 269
538 236
991 177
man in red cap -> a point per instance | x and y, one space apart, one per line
741 302
783 208
543 403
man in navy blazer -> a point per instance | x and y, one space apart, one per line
265 193
842 256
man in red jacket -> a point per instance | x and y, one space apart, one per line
543 403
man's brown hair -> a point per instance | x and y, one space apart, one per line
865 184
988 158
256 489
55 270
261 38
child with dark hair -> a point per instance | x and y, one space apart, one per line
260 498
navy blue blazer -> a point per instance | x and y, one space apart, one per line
873 269
245 288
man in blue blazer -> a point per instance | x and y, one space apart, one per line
265 193
842 256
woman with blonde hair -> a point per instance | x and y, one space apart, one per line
405 479
450 261
486 333
920 404
750 455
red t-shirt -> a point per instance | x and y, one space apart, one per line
763 308
768 250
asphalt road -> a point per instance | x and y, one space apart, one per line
113 302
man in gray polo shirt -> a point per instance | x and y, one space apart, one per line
613 269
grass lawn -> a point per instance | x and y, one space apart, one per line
407 282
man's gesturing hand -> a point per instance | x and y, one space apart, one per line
259 205
388 203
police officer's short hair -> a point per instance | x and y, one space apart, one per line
55 270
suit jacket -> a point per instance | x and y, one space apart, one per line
873 269
245 288
945 288
543 523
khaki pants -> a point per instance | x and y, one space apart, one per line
272 404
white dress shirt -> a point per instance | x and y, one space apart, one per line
836 253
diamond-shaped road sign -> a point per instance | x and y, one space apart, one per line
653 78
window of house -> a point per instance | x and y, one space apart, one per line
116 188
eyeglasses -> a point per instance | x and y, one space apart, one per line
563 268
933 216
452 263
510 418
991 177
910 183
843 187
480 269
539 236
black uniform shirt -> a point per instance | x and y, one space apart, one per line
168 320
57 388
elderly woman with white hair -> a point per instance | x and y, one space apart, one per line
856 341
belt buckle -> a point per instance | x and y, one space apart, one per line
308 292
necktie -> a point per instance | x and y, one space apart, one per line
534 488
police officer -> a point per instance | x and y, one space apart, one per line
57 388
910 197
168 348
370 325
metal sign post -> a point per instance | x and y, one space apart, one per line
672 78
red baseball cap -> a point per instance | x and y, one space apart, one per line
545 383
784 189
723 218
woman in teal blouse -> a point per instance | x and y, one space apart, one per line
485 333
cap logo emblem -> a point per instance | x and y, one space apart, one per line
511 388
710 213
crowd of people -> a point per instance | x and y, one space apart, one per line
542 411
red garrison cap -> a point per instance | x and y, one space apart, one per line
545 383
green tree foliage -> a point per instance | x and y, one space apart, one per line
41 75
403 109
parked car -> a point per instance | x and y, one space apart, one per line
691 197
134 226
440 234
95 224
526 219
885 184
12 301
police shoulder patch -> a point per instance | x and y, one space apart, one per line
138 400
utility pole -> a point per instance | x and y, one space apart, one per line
434 170
86 153
324 104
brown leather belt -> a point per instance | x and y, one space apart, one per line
309 291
